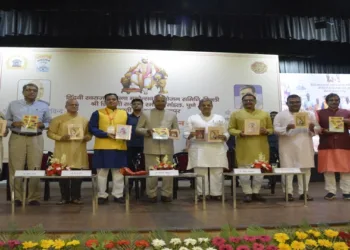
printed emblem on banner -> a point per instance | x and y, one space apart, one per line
143 77
17 62
42 63
259 67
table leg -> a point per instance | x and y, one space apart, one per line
127 195
285 187
304 189
13 197
203 193
234 191
223 191
25 181
195 191
93 196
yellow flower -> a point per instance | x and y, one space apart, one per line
312 243
301 235
73 243
29 244
340 246
315 233
58 244
298 245
281 237
283 246
46 244
331 233
325 243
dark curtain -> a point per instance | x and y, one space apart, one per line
95 23
290 65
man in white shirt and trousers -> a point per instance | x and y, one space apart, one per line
204 155
295 145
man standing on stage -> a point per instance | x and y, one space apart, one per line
27 118
153 148
74 150
248 147
295 145
334 148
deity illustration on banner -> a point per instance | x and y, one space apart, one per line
143 77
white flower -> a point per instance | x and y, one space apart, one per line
166 248
210 248
190 241
201 240
197 248
175 241
158 243
183 248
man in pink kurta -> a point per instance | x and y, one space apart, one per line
334 149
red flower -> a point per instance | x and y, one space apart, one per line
234 239
91 243
264 238
243 247
271 247
225 247
142 243
123 243
344 235
258 246
250 238
218 241
109 244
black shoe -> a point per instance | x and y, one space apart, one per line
290 197
77 202
200 197
308 198
152 199
120 200
102 201
258 197
330 197
62 202
216 197
247 198
34 203
166 199
18 203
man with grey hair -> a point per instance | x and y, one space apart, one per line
153 148
204 155
73 149
27 118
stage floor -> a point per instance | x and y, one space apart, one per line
180 215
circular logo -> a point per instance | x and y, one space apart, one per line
259 67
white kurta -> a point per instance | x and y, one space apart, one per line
202 153
295 146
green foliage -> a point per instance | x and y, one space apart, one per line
228 231
161 234
34 234
11 234
255 231
305 226
195 234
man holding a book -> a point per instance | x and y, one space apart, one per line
295 129
334 147
155 125
208 135
251 127
70 133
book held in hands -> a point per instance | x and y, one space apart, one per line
123 132
30 124
76 131
160 134
301 120
252 127
336 124
213 134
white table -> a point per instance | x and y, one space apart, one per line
26 179
234 175
183 175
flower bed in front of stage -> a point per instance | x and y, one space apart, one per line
255 238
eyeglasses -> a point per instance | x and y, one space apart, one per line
74 105
249 100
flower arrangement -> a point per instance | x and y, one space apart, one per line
165 164
261 163
56 166
127 171
255 238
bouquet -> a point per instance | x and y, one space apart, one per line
165 164
128 171
56 166
262 164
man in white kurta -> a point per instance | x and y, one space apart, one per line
295 145
204 155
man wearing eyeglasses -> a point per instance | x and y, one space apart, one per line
248 147
74 148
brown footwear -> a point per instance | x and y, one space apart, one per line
216 197
290 197
247 198
308 198
200 197
166 199
153 199
77 202
258 197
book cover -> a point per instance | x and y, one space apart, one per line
76 131
174 134
251 127
3 124
30 124
214 132
199 134
336 124
301 120
160 134
123 132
